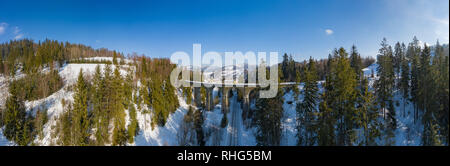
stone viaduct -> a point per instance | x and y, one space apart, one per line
243 88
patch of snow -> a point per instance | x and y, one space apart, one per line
159 136
368 70
289 120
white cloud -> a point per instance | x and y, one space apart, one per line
17 33
16 30
441 29
424 18
19 36
441 21
329 31
3 27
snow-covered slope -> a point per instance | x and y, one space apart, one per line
52 103
372 69
159 136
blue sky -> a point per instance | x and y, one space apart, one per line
302 28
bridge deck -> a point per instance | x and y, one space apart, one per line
230 84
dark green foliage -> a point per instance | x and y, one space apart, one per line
224 121
18 126
39 122
157 92
440 70
298 80
356 62
133 127
404 78
100 115
203 96
413 55
117 98
341 92
384 89
49 53
80 121
386 81
367 115
267 119
115 58
89 61
307 109
288 68
399 53
187 92
193 121
433 95
198 122
325 124
37 85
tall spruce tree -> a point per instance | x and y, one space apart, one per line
118 100
356 63
341 93
404 79
398 56
414 55
385 83
384 86
440 71
80 112
15 119
100 118
307 109
368 114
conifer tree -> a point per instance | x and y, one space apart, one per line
414 55
100 117
356 62
297 80
440 73
267 118
425 95
384 86
368 115
115 58
398 56
385 83
342 94
119 131
307 109
80 112
404 79
133 127
15 119
326 122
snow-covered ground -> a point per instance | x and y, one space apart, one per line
160 136
372 69
234 133
408 133
3 140
69 72
289 119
